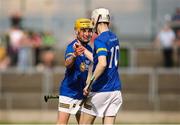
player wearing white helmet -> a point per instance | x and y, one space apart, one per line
104 99
77 65
100 15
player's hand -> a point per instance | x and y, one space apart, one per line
79 49
85 91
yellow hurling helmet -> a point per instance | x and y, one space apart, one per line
83 23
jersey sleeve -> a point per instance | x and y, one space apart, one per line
69 51
101 49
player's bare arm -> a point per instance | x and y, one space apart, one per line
89 73
70 61
101 66
88 54
85 92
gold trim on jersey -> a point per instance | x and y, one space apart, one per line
101 49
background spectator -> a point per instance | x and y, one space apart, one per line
47 60
48 40
4 59
165 40
176 16
178 47
25 53
16 20
36 41
15 37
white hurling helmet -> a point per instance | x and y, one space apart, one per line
100 15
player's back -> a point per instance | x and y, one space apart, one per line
107 44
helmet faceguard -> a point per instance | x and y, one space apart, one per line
100 15
83 28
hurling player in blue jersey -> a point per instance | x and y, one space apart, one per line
104 99
77 65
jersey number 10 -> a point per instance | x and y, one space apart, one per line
114 56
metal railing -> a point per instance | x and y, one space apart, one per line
47 83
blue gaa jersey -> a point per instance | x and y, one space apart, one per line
75 77
107 44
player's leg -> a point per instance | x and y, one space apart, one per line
110 120
94 107
113 108
63 118
66 107
87 118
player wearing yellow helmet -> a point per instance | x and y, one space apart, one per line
77 65
83 27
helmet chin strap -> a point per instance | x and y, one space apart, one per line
97 24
